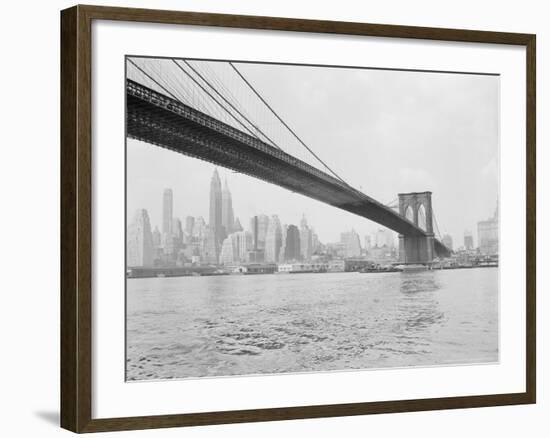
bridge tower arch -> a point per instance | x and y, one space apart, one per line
417 249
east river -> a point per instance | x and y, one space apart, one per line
286 323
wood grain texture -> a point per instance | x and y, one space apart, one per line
69 376
76 219
531 220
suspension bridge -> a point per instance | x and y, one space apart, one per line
187 107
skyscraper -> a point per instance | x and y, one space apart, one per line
306 240
255 254
229 253
273 240
177 231
189 224
468 240
215 217
227 210
487 234
315 244
157 238
167 207
199 229
258 228
254 231
351 244
284 228
139 246
244 239
235 248
291 244
212 247
237 226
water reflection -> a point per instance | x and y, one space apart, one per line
232 325
419 282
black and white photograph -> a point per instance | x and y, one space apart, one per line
289 218
275 219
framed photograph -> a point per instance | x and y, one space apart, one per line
270 218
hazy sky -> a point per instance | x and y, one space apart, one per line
384 132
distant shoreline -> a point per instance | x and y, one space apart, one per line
223 274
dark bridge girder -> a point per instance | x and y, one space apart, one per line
155 118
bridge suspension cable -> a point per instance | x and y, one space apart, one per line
436 225
166 88
154 80
205 91
214 98
284 123
228 102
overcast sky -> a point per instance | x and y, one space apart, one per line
384 132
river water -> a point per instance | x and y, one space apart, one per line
241 325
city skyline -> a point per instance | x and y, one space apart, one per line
277 265
414 131
223 241
223 205
168 217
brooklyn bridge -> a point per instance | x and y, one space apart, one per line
194 113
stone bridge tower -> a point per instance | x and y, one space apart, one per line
417 207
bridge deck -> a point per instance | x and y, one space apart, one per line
155 118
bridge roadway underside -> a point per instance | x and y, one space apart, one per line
167 123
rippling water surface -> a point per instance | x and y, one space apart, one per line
235 325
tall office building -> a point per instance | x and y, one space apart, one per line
177 231
284 228
215 216
258 228
167 211
306 240
291 244
199 229
139 246
351 244
189 224
157 238
315 244
211 249
227 210
254 232
468 240
235 248
256 254
487 234
237 226
244 240
273 240
229 253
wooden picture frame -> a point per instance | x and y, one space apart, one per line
76 218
